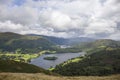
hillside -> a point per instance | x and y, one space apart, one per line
98 45
100 42
66 41
32 43
12 41
79 40
11 70
19 67
103 62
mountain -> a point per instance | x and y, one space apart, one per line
32 43
106 42
104 62
102 58
66 41
79 40
56 40
101 43
12 41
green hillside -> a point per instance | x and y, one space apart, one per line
19 67
103 62
12 41
97 45
66 41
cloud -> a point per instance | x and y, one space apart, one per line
60 21
115 36
101 26
56 20
22 15
5 2
10 27
63 18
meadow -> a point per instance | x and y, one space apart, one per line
41 76
21 57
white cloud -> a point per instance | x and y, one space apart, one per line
60 20
22 15
9 26
115 36
63 18
4 2
101 26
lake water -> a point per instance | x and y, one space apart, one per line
61 57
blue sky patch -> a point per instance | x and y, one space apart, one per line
18 2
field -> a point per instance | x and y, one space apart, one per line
18 57
40 76
21 57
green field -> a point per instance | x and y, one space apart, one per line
21 57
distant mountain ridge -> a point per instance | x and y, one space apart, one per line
11 41
34 43
66 41
100 43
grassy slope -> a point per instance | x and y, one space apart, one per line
101 63
18 67
12 42
18 57
102 43
40 76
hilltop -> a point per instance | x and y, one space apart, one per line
97 45
32 43
66 41
11 42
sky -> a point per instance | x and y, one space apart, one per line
62 18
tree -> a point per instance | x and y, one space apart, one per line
18 51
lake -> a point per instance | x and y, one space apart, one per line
61 57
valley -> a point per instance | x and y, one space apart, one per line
59 39
61 57
27 54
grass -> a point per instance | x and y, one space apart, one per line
74 60
41 76
19 67
19 57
